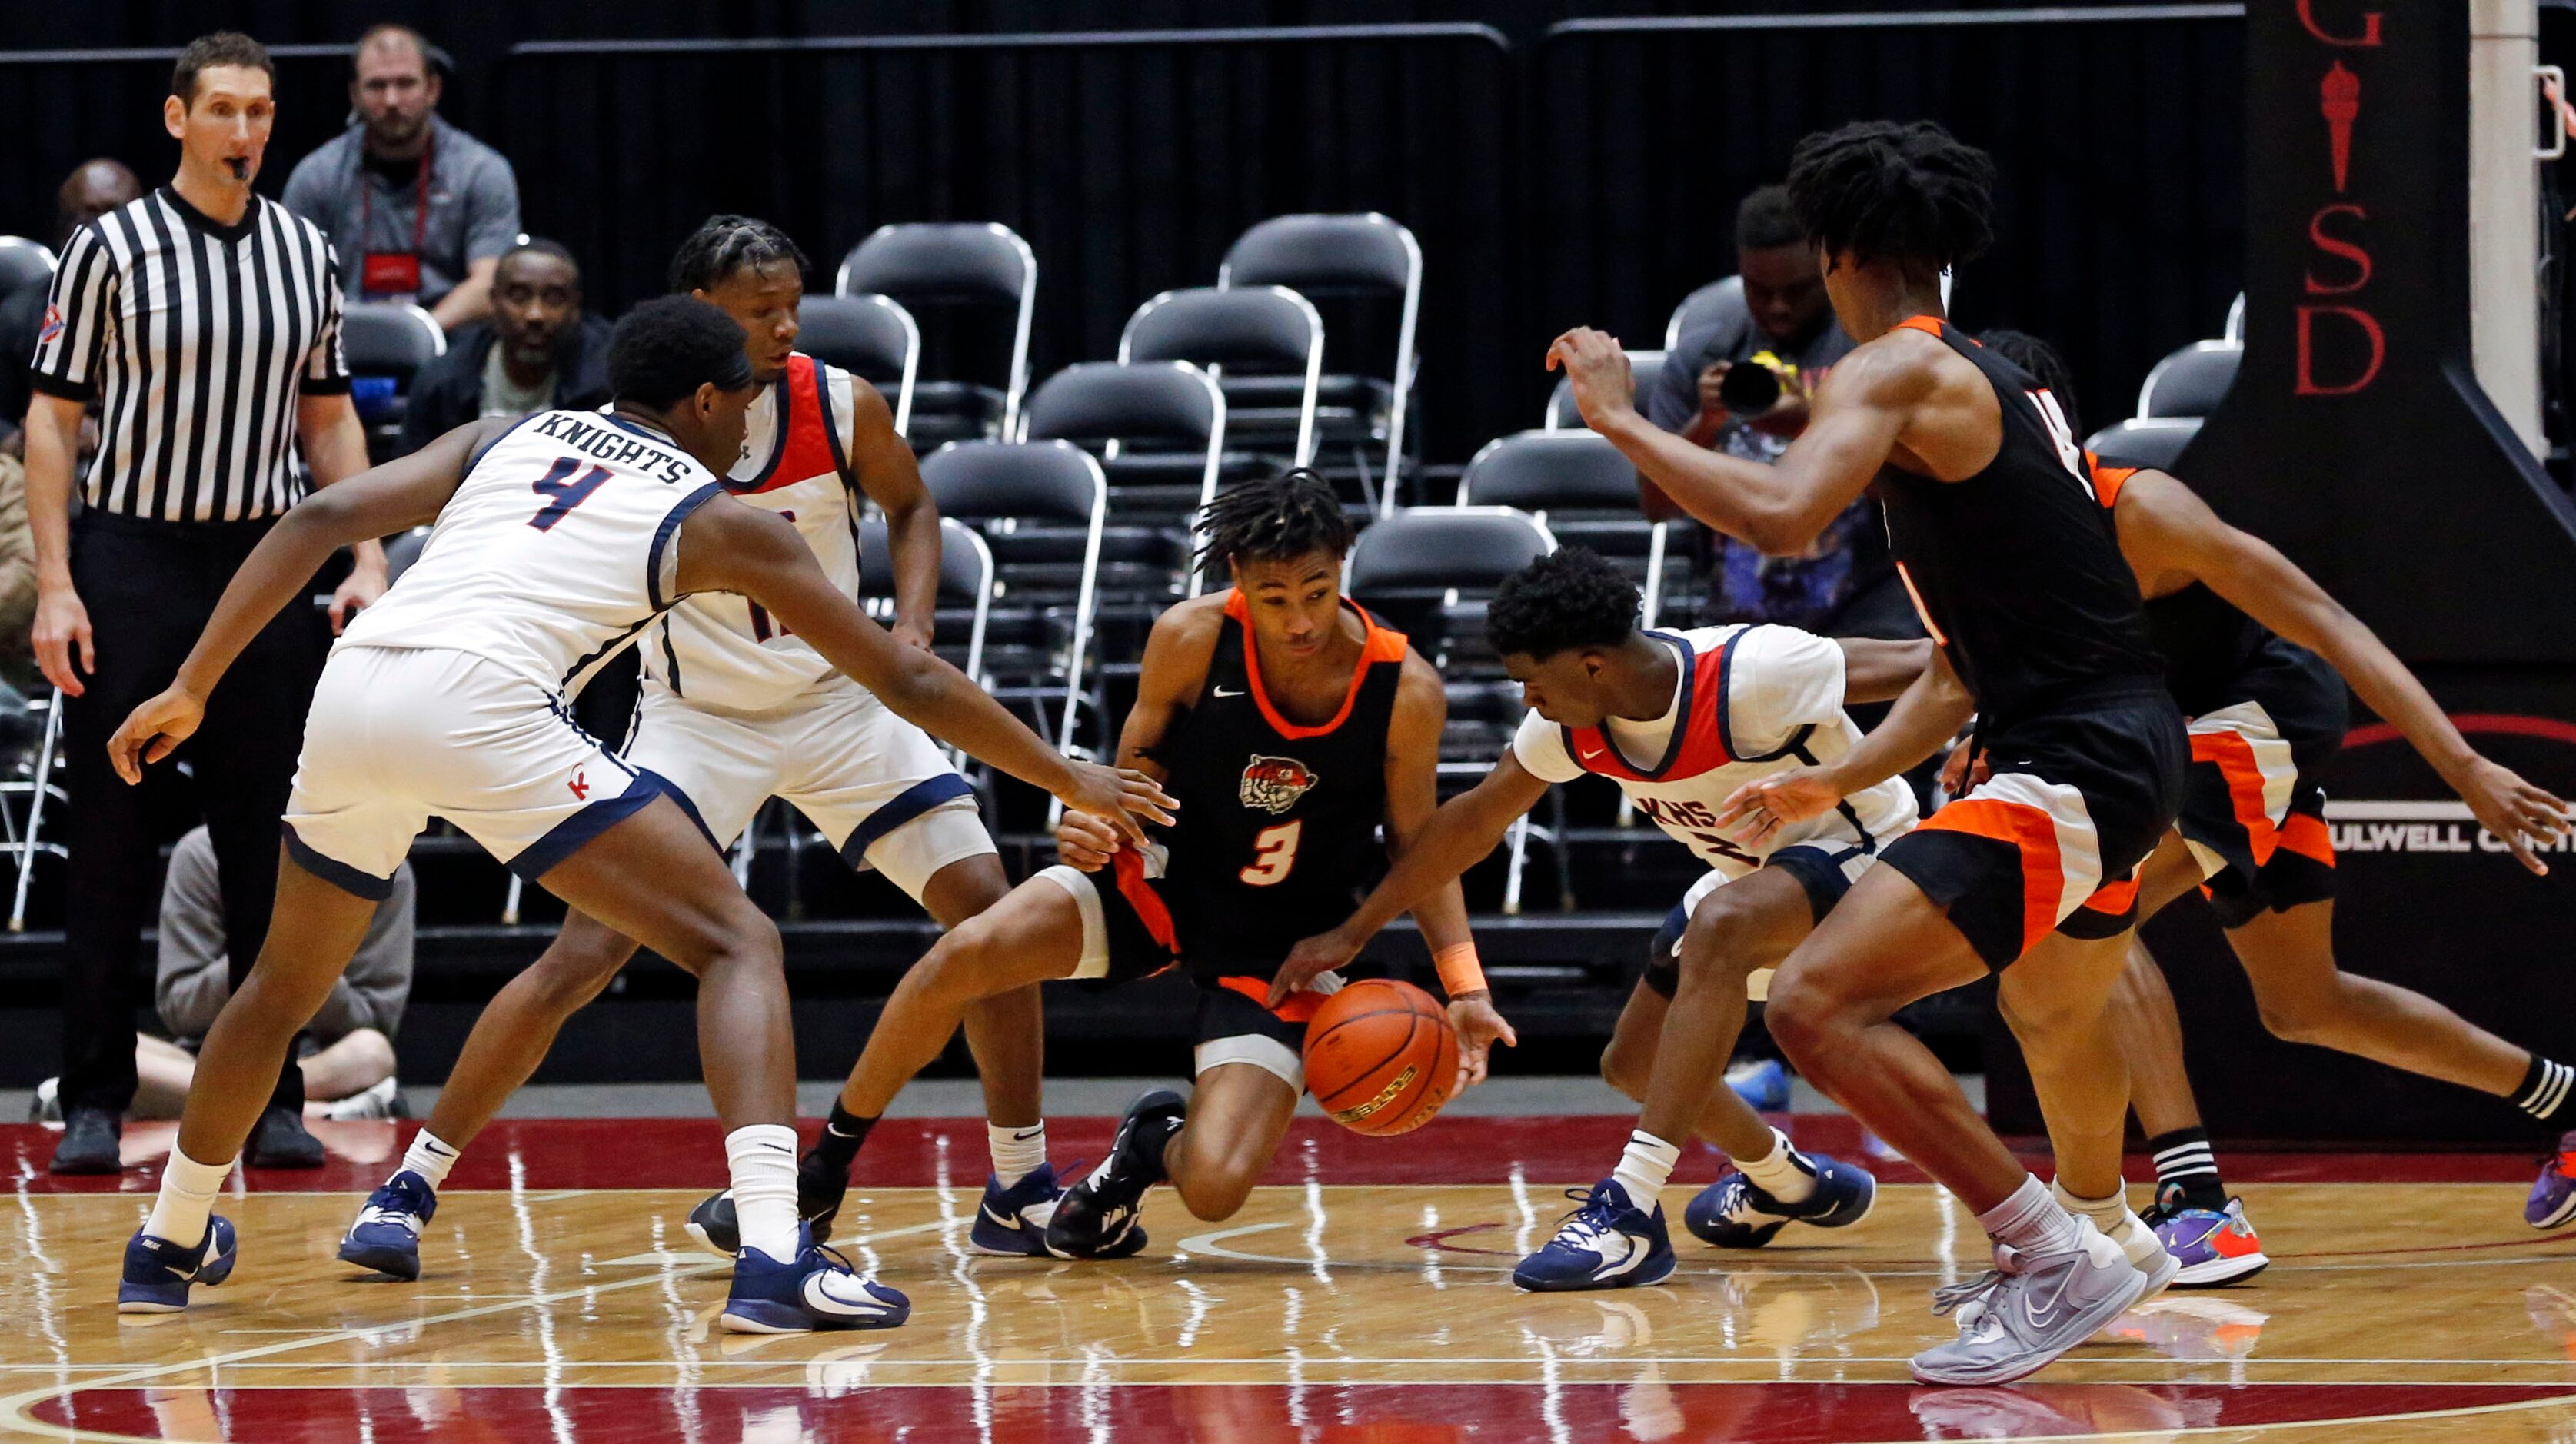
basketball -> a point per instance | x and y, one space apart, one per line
1381 1057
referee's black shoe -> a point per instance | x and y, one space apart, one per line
279 1140
89 1143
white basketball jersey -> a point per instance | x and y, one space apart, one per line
1752 701
555 551
721 650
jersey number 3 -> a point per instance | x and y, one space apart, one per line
563 491
1274 852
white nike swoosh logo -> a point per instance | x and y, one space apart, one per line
999 1220
1221 692
1588 756
2042 1318
819 1294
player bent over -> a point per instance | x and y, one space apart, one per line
1678 721
1288 725
736 709
2257 656
558 539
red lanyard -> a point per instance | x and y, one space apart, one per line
420 200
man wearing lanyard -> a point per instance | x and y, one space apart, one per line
416 209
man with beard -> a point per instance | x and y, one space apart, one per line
539 351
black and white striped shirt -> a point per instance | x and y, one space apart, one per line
196 340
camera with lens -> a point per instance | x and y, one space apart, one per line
1752 386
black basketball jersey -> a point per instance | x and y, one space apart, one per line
2017 570
1276 834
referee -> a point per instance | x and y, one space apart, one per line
202 323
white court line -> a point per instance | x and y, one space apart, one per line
14 1407
1214 1245
1747 1358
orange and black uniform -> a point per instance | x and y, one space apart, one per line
2018 575
2267 716
1276 833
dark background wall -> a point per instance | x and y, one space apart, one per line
1553 179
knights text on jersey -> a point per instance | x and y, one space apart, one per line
555 551
1752 701
721 650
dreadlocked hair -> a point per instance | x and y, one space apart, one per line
1274 519
2042 362
725 244
1568 599
1908 192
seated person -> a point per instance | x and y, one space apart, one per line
1844 584
538 352
349 1070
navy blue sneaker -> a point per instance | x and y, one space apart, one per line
1012 1223
386 1236
1094 1217
158 1272
1763 1084
818 1201
817 1290
1734 1212
1608 1243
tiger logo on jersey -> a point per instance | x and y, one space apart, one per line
1273 784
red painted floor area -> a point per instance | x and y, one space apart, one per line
555 1153
1246 1414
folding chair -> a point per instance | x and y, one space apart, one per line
1172 408
1578 486
1697 307
393 340
1563 415
24 263
2191 381
869 336
2155 441
1040 511
979 264
26 838
1246 332
1323 256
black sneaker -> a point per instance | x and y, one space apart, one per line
279 1140
90 1143
818 1201
1095 1216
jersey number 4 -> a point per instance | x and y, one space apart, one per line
563 491
1274 852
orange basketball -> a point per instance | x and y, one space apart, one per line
1381 1057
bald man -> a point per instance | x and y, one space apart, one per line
94 188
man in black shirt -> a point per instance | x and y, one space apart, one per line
539 351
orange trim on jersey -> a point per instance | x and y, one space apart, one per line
1376 645
2115 898
2107 480
2033 834
1129 869
2307 835
2233 756
1921 611
806 452
1301 1007
1928 325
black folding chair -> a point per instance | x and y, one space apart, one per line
869 336
1237 335
961 265
1368 256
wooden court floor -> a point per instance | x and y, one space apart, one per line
1362 1295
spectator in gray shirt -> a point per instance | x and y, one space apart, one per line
416 209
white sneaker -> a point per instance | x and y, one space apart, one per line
2032 1308
375 1102
2147 1254
47 1106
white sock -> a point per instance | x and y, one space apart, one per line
1780 1173
1017 1152
187 1198
2031 1221
430 1157
1645 1167
2108 1214
762 1161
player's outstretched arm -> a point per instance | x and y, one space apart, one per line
1412 800
726 546
1459 835
891 477
401 493
1782 507
1924 719
1881 671
2167 531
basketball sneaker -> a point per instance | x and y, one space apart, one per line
2214 1247
2031 1308
1012 1222
2145 1250
159 1272
818 1202
1762 1083
2553 1194
818 1289
1607 1243
1094 1217
1735 1212
386 1236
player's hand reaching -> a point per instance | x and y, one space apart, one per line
1963 768
1310 959
1121 796
1479 1028
1603 388
2514 810
1759 809
1085 843
152 731
912 634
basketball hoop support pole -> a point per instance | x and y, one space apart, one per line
2504 205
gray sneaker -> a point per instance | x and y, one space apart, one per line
2032 1308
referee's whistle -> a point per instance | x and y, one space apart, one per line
240 165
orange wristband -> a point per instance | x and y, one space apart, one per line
1459 970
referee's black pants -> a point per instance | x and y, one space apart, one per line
149 587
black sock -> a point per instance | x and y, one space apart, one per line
843 1132
2543 1093
2186 1171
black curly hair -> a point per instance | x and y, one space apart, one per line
668 347
1909 192
727 243
2042 362
1276 519
1569 599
